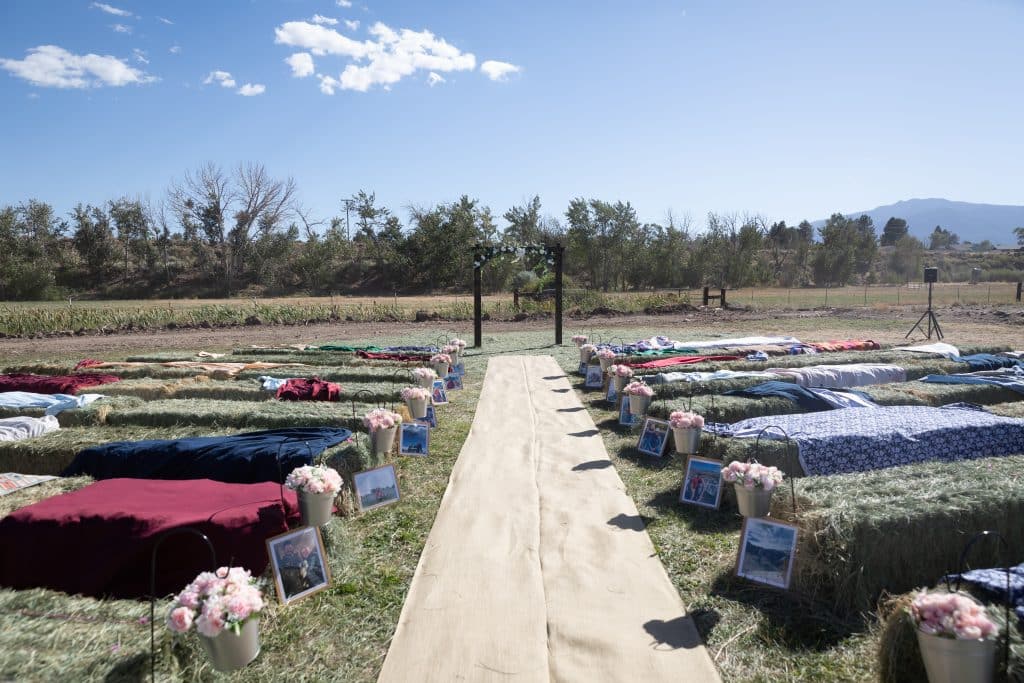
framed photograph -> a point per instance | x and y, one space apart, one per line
439 394
377 487
653 437
453 382
767 550
414 438
611 396
626 418
702 484
430 418
595 377
299 563
582 369
459 369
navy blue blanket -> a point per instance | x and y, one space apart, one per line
857 439
240 459
989 361
811 400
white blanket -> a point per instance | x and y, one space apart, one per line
844 376
18 428
54 403
937 349
671 377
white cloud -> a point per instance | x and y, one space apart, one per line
121 28
433 78
165 21
391 56
498 71
140 56
250 89
344 3
110 9
174 49
353 24
54 67
301 64
320 19
222 77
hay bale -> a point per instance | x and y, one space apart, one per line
929 394
894 529
199 412
34 494
348 459
727 408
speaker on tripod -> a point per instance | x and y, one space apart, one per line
931 276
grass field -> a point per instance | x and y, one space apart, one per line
342 633
28 318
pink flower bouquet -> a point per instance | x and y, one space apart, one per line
380 418
216 601
450 349
588 348
681 419
751 475
606 354
638 389
459 343
579 339
620 371
415 393
314 479
439 358
951 615
424 376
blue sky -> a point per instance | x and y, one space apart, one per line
790 109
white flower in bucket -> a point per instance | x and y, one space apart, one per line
424 376
224 607
316 486
416 399
382 425
686 429
579 340
620 374
441 363
639 397
956 637
754 484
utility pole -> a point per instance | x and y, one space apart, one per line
348 207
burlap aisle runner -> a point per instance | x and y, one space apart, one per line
538 567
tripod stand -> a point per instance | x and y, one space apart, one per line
933 322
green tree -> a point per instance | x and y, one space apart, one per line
894 229
905 260
93 240
942 239
1019 233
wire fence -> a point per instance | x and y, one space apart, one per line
912 294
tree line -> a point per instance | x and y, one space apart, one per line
241 231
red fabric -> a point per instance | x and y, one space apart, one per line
300 389
54 384
680 360
384 355
88 363
846 345
98 540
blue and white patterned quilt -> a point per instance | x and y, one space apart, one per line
857 440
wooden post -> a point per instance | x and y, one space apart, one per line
721 298
477 300
1019 286
559 251
707 290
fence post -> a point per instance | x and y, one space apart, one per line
707 290
1019 285
865 296
990 292
789 297
826 296
721 298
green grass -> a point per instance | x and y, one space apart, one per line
240 414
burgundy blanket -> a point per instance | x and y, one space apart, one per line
680 360
301 389
53 384
97 541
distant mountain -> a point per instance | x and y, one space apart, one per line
972 222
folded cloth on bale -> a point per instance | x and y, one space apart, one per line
301 389
384 355
989 361
1007 378
98 540
993 584
24 427
844 376
680 360
811 400
53 403
857 440
242 459
53 384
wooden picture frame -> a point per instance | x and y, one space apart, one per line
653 437
299 563
414 439
610 394
767 552
626 418
702 483
438 393
374 487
